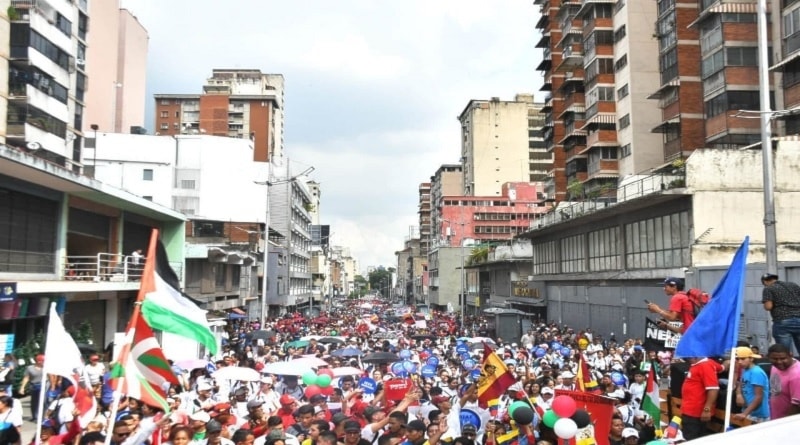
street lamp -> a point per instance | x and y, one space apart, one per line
268 183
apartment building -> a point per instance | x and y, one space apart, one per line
496 144
786 59
116 61
237 103
424 212
47 78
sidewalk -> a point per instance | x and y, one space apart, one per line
28 427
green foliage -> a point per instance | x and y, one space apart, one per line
478 255
13 14
575 189
379 279
83 333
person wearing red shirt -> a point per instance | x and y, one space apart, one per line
286 411
680 307
699 392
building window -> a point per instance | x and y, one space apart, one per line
604 249
165 114
623 91
28 233
147 174
148 198
620 33
63 25
741 56
658 242
188 184
625 121
164 101
608 153
712 64
545 258
626 151
164 126
178 114
573 254
621 63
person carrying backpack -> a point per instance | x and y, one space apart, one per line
680 306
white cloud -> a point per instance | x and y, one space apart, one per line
373 87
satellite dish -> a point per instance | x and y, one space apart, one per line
33 145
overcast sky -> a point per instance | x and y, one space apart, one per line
373 88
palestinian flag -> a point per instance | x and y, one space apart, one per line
164 306
585 379
495 377
652 400
145 370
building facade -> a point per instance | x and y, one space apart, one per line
47 79
495 144
116 61
239 103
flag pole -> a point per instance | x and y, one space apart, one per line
130 332
729 393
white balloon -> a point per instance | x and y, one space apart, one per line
565 428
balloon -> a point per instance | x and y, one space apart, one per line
565 428
539 353
514 406
397 368
618 378
433 361
312 390
523 415
409 367
327 391
566 352
325 371
324 381
556 346
309 379
469 364
405 354
581 418
550 418
564 406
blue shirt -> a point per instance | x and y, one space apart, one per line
755 376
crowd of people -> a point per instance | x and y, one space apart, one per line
366 348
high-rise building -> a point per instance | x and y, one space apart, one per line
239 103
46 78
541 160
116 61
424 211
495 144
447 181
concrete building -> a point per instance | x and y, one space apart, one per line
46 83
237 103
412 270
424 212
68 239
541 160
5 35
596 269
116 61
495 144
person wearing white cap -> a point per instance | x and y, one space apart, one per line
203 400
567 381
545 399
630 436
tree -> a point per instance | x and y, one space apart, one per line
380 280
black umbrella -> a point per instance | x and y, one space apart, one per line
380 357
267 336
331 340
87 349
423 337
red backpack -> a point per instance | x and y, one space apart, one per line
699 299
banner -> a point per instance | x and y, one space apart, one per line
657 339
396 389
600 409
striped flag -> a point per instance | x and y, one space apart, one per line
494 407
585 379
494 379
651 403
145 369
164 306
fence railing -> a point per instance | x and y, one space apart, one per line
112 267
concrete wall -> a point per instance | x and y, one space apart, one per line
131 72
102 54
728 202
449 277
5 35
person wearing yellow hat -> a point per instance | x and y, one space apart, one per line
752 390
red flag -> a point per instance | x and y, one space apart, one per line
585 380
495 377
600 410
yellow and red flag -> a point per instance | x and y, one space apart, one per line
585 379
494 379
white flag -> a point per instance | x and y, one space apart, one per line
61 355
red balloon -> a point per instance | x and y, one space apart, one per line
327 391
312 390
325 371
564 406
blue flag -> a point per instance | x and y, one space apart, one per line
715 331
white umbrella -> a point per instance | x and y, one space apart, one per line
481 340
237 373
311 337
346 370
309 361
293 367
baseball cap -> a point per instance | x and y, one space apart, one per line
203 387
617 394
213 426
201 416
469 429
673 281
276 435
254 404
339 418
769 276
286 399
370 411
567 375
547 390
317 398
352 425
745 352
630 432
415 425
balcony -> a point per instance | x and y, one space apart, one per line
109 267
